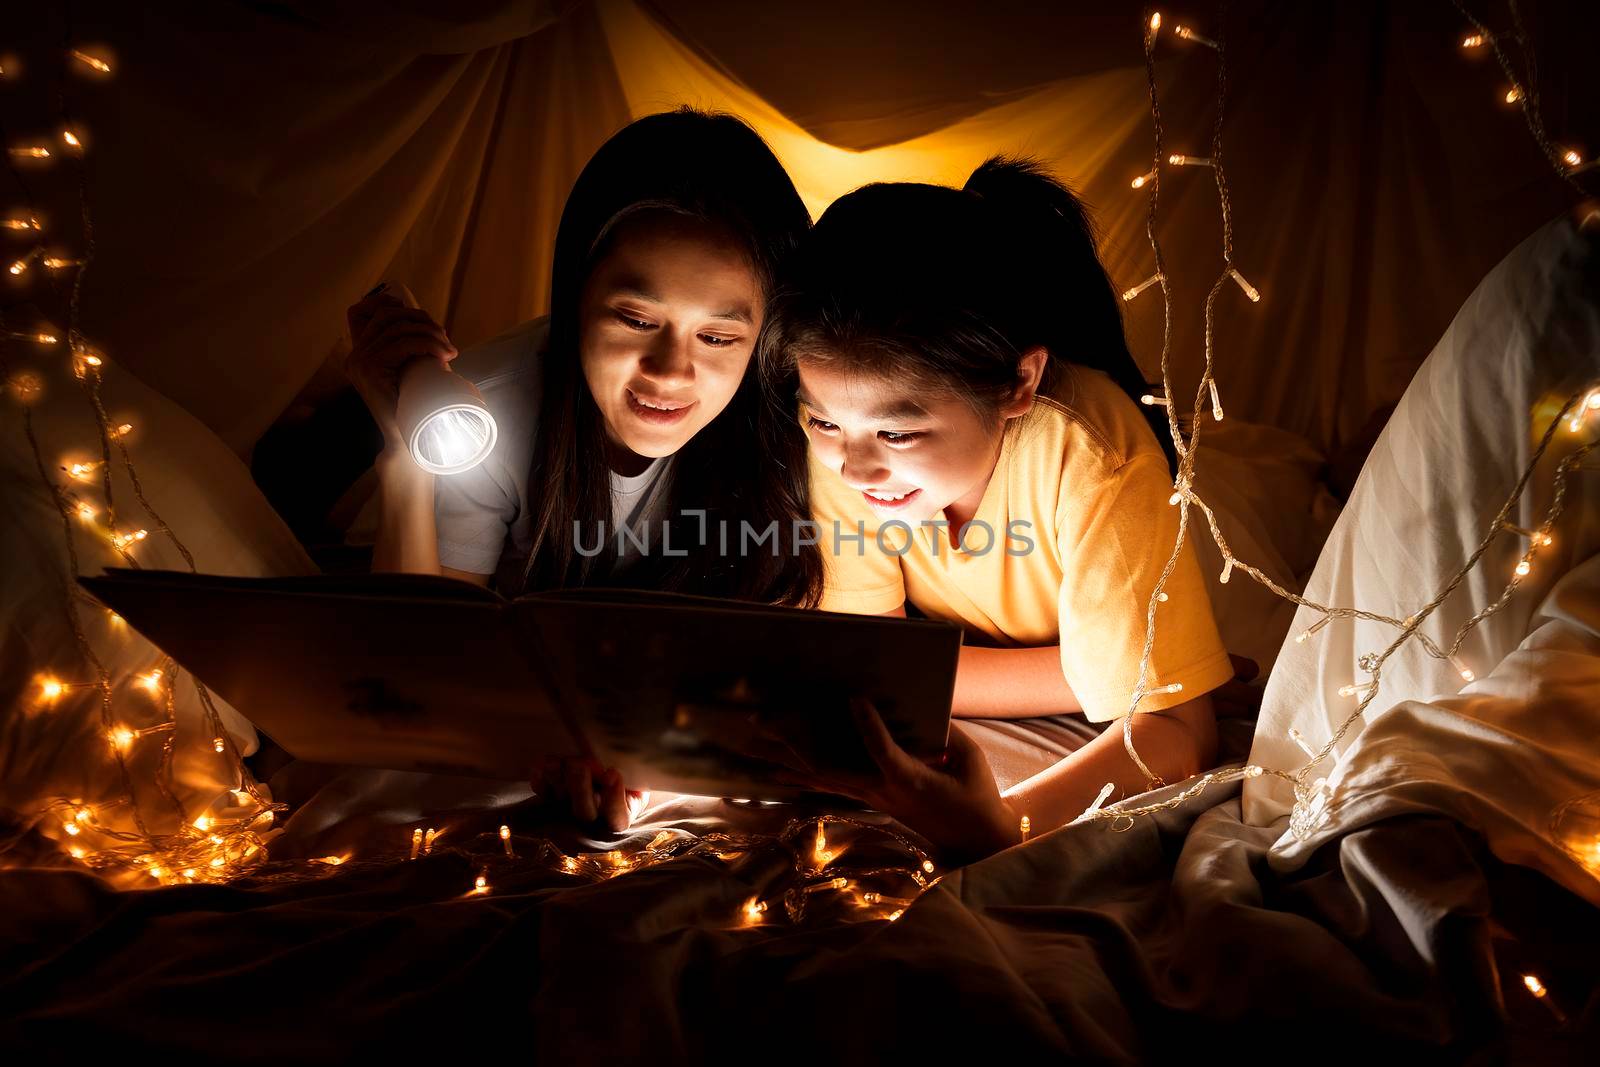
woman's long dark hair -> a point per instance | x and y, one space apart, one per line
748 464
920 282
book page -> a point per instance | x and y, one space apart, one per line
406 682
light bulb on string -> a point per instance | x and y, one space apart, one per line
1129 294
1514 94
1144 179
1189 35
94 63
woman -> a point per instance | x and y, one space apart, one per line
633 416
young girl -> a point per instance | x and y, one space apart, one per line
963 377
634 402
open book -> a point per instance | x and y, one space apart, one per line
417 672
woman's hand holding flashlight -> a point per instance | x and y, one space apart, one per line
387 331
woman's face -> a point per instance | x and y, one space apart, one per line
667 323
910 453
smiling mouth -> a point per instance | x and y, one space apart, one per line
890 500
660 412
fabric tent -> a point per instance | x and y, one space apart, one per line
257 167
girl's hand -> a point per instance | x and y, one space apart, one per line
387 331
591 792
955 804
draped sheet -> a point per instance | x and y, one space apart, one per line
254 168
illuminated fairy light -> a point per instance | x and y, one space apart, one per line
416 842
894 916
60 263
505 840
754 908
1025 827
1227 571
71 139
821 855
1523 569
151 681
1099 801
41 337
71 829
29 223
218 745
121 431
1189 35
50 689
1474 40
203 823
1180 160
94 62
122 738
82 471
1129 294
1249 290
1144 179
1514 94
1155 24
122 541
31 151
1571 158
569 864
1462 669
429 838
1540 538
480 885
1311 630
927 866
1153 399
19 267
1542 994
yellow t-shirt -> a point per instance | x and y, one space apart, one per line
1073 531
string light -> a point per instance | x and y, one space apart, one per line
428 839
1514 94
1025 826
1462 669
1179 160
32 151
1311 630
1144 179
151 681
29 223
416 842
218 745
1151 400
1189 35
60 263
1249 290
20 266
753 910
505 840
480 885
1129 294
95 62
1474 40
72 140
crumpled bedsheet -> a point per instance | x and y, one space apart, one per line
1175 938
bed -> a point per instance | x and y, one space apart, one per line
1442 906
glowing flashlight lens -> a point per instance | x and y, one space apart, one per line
454 440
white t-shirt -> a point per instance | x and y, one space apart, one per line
484 520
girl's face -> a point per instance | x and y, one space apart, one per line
667 323
910 453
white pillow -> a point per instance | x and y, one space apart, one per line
205 495
1525 340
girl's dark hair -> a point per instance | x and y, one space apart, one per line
921 282
749 463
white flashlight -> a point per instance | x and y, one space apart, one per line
447 426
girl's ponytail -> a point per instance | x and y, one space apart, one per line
1052 265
